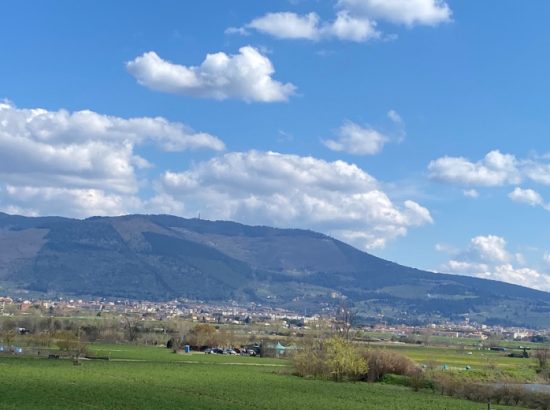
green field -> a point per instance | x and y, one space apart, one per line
155 378
485 365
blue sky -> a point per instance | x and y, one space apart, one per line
413 129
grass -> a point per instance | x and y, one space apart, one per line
485 365
155 378
161 354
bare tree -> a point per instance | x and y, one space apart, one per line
542 355
345 319
131 328
203 335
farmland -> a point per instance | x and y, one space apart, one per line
152 377
483 365
142 373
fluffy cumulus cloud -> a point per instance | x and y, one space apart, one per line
489 248
83 159
355 20
407 12
292 26
245 76
488 257
494 170
293 191
354 139
83 163
288 25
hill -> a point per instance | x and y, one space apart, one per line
162 256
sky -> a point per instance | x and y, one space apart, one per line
416 130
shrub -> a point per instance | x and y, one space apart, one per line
515 395
334 358
69 342
203 335
309 360
382 362
343 360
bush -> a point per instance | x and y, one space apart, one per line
309 360
343 360
334 358
382 362
70 343
203 335
513 395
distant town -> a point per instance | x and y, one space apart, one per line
274 320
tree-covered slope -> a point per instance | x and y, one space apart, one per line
162 256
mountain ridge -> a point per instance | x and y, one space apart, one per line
164 256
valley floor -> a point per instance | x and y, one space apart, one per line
155 378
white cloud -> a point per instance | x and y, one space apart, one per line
84 149
407 12
487 257
537 171
494 170
237 30
464 267
395 117
351 28
521 276
355 20
72 202
490 248
246 76
62 162
526 196
354 139
292 191
470 193
288 25
81 203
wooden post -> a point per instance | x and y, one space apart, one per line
489 404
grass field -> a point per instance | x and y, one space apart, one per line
484 365
155 378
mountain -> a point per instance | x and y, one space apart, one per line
162 256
